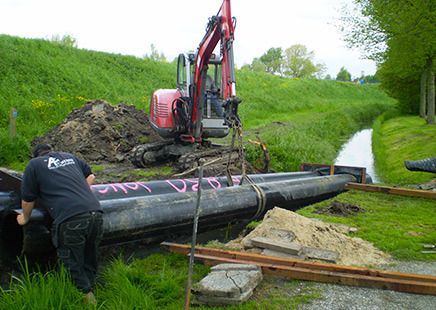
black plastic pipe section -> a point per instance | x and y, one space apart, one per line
170 186
155 216
425 165
35 236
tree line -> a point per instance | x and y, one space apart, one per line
400 35
296 61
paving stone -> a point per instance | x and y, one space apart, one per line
228 267
269 252
281 246
228 284
283 234
217 301
217 284
320 254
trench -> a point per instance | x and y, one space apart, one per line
357 151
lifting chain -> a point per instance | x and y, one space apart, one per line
236 131
261 197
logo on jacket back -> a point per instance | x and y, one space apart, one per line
54 163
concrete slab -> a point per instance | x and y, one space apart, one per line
320 254
228 267
228 284
280 246
269 252
218 301
283 234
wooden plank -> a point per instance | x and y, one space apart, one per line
406 286
392 190
185 249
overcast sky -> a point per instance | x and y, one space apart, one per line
129 27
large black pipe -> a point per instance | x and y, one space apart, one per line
170 186
34 238
152 216
425 165
10 200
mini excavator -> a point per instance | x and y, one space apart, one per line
204 104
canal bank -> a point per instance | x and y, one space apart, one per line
357 151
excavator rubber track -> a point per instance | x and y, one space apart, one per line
216 154
145 155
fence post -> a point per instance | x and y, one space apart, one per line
13 123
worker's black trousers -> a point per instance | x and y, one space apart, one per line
78 240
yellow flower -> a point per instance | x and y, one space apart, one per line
38 104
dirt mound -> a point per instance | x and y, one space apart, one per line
105 134
341 209
101 133
314 233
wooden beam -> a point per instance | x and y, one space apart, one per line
392 190
406 286
185 249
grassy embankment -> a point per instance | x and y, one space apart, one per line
299 120
401 138
395 224
45 81
306 120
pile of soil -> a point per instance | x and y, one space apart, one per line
313 233
105 134
100 132
341 209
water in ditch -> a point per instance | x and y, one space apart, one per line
358 152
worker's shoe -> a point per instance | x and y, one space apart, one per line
89 298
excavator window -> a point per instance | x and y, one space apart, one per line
181 72
213 102
214 72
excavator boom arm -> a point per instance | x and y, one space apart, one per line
220 29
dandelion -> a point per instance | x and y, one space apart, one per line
81 98
38 104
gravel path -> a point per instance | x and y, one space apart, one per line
356 298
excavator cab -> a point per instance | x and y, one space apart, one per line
210 109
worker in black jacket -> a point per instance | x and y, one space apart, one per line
61 183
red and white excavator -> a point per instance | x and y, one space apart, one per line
204 104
